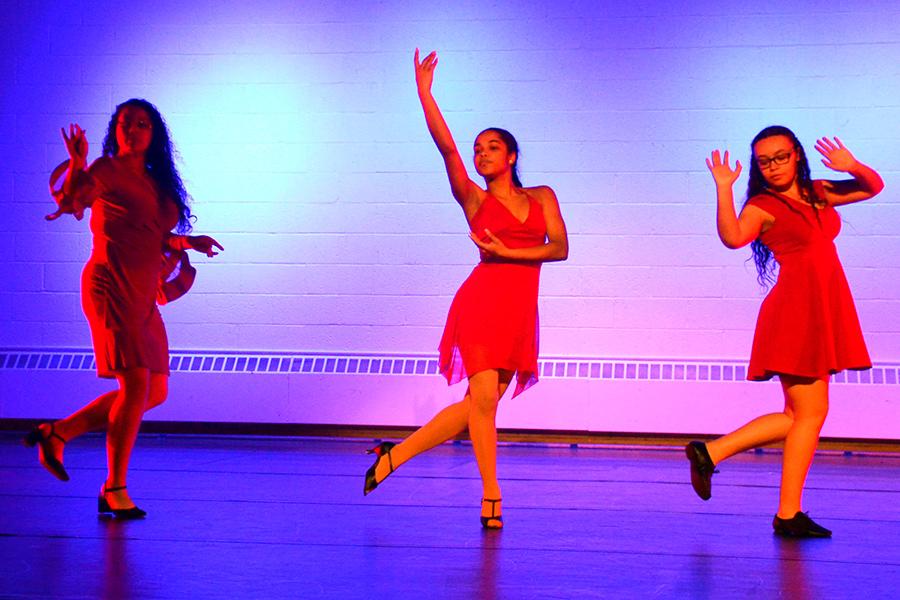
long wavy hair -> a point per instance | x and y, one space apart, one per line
762 255
160 160
511 146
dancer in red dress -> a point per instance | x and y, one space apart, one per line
136 198
807 327
491 335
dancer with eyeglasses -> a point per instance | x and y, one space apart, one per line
807 327
136 198
491 334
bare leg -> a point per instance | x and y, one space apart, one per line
95 415
91 417
124 421
808 400
486 389
447 424
758 432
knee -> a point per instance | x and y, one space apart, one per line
135 383
484 403
813 415
158 394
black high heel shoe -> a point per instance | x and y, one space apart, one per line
36 437
103 506
382 449
485 521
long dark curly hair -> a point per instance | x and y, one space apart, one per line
762 255
160 159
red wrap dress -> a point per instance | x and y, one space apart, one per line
807 324
493 319
130 224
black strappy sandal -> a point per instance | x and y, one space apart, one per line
103 506
382 449
36 437
494 517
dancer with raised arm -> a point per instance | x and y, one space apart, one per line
491 334
807 327
136 198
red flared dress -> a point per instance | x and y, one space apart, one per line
807 324
493 320
130 224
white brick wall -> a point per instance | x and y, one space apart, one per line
305 148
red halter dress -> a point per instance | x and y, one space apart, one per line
493 320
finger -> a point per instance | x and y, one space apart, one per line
709 165
725 159
737 168
826 143
717 158
839 143
218 245
416 57
62 130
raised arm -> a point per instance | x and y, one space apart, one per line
734 231
555 248
865 183
67 198
466 192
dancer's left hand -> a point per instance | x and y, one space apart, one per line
494 247
204 244
837 157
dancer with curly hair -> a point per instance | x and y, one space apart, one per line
807 327
136 198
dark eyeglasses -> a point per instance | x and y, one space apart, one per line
778 159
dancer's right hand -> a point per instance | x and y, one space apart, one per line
425 71
76 145
721 172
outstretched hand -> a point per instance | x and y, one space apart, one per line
721 172
204 244
837 157
493 248
425 70
76 145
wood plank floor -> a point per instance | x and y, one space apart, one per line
241 517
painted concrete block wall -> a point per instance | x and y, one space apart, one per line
307 155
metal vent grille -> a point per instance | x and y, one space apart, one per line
393 364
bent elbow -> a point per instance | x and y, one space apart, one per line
730 242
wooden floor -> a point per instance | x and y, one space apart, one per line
238 517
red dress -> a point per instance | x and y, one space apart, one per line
807 324
493 320
130 224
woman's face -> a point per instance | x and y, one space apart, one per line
492 157
134 131
777 160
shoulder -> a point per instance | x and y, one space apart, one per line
102 166
542 193
766 202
